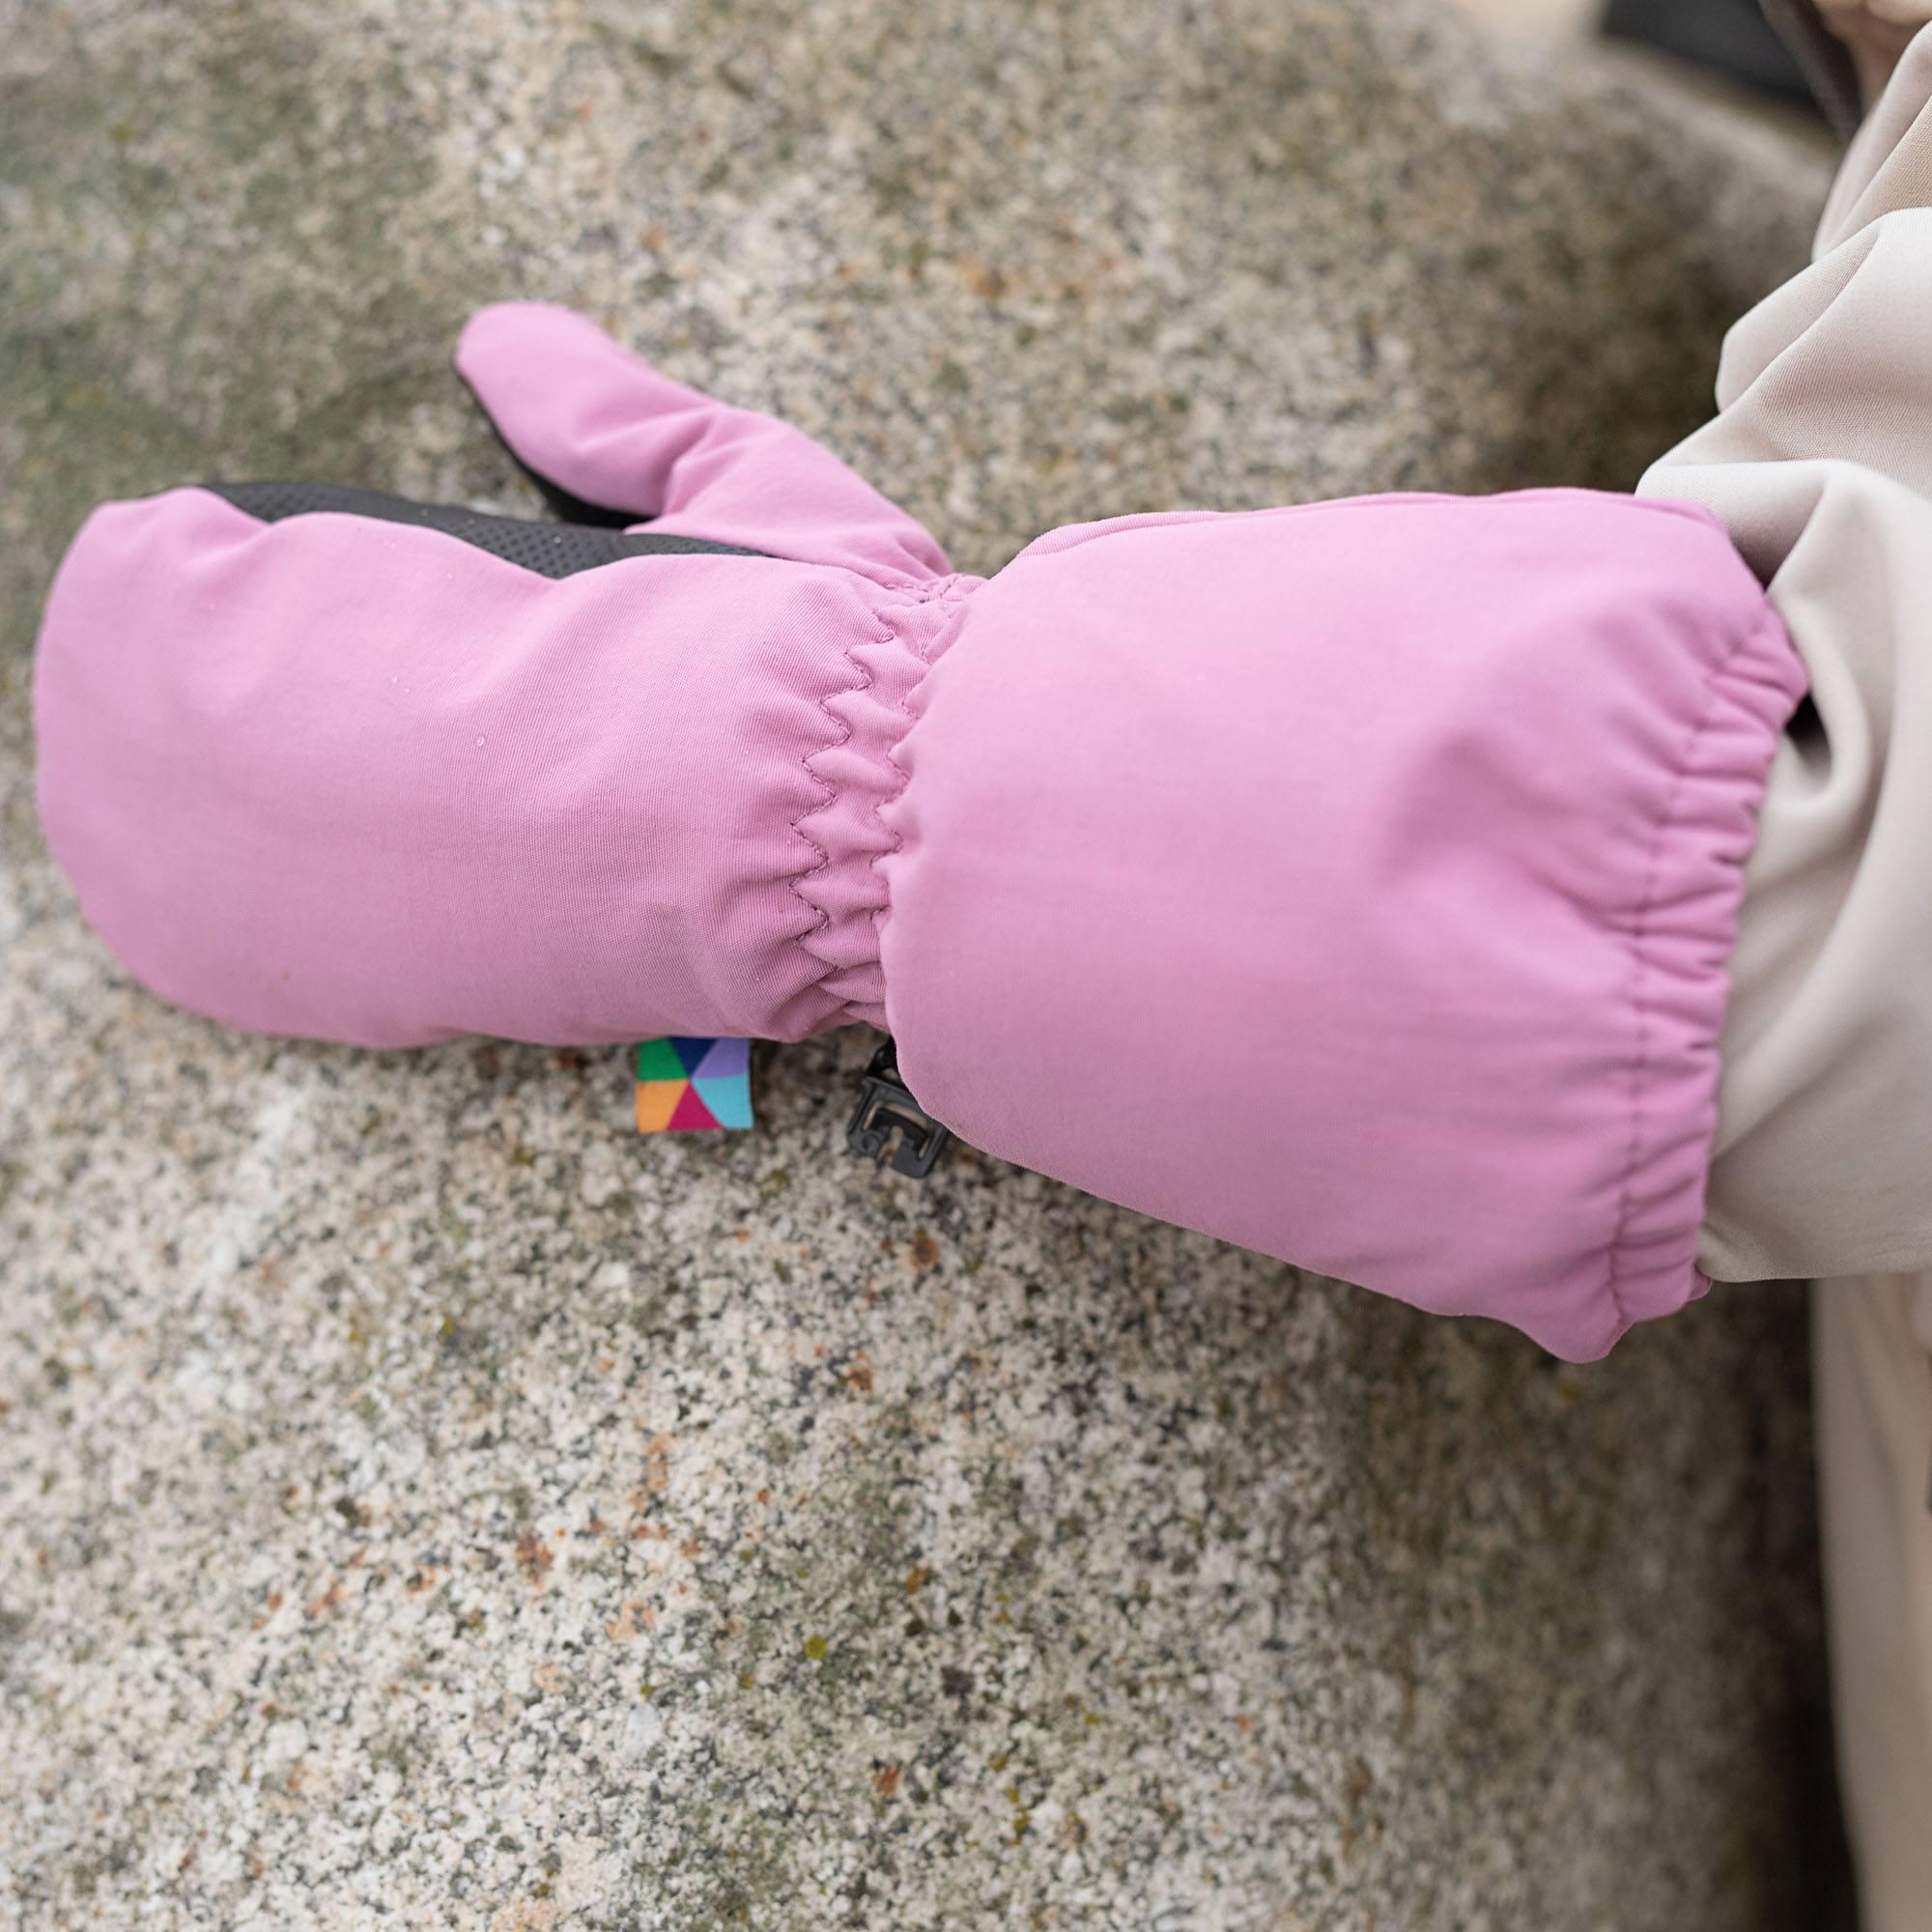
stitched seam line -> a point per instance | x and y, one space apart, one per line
862 680
1640 966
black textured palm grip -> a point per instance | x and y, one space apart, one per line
550 549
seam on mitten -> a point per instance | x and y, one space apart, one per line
861 680
845 1004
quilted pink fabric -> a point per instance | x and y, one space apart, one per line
1353 881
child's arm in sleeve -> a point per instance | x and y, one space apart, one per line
1820 466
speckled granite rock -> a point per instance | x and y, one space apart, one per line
423 1503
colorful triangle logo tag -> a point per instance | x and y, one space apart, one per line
686 1084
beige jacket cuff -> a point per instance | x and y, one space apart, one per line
1820 465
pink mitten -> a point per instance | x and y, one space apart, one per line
1353 881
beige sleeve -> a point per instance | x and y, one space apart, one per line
1820 465
1873 1374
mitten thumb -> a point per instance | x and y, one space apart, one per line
616 442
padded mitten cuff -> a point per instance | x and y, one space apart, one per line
1353 882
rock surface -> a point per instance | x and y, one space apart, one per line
422 1502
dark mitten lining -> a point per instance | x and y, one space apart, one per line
550 549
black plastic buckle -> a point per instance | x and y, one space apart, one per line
884 1107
